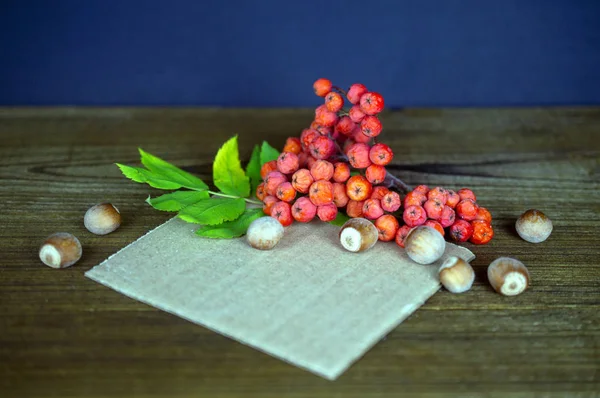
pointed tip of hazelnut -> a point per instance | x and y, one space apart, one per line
534 226
102 219
424 245
508 276
456 275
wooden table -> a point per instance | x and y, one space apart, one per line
63 335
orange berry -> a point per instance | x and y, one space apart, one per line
372 209
303 210
355 92
267 168
327 212
302 180
484 214
272 181
322 170
356 114
293 145
387 225
465 193
379 192
438 193
434 208
282 212
461 231
269 201
375 174
358 188
354 208
322 86
448 216
371 126
339 194
467 209
453 199
435 225
323 130
424 189
414 199
391 201
482 232
288 162
381 154
358 155
286 192
308 136
260 191
401 234
341 172
345 125
414 216
358 136
321 192
334 101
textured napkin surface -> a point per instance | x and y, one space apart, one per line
307 301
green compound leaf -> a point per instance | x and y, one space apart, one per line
267 153
340 219
253 169
231 229
228 174
177 200
168 172
142 175
213 211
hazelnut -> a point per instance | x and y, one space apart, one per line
102 219
358 234
508 276
456 275
534 226
264 233
60 250
424 245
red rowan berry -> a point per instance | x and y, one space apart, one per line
334 101
323 130
372 209
286 192
272 181
467 209
381 154
424 189
327 212
358 188
282 212
310 161
269 201
293 145
435 225
461 231
267 168
347 144
308 136
453 199
465 193
341 172
401 234
414 198
371 126
379 192
387 225
302 159
260 191
484 214
356 114
371 103
433 208
414 216
322 86
287 162
358 136
438 193
322 147
391 201
326 118
302 180
345 125
322 170
354 208
355 92
339 194
375 174
448 217
482 232
303 210
358 156
321 192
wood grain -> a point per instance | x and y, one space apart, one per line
63 335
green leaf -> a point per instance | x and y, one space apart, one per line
213 211
228 174
167 171
340 219
268 153
231 229
177 200
354 173
139 174
253 169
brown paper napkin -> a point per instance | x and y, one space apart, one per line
308 301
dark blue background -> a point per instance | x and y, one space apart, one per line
268 53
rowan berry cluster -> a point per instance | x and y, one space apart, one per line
456 213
